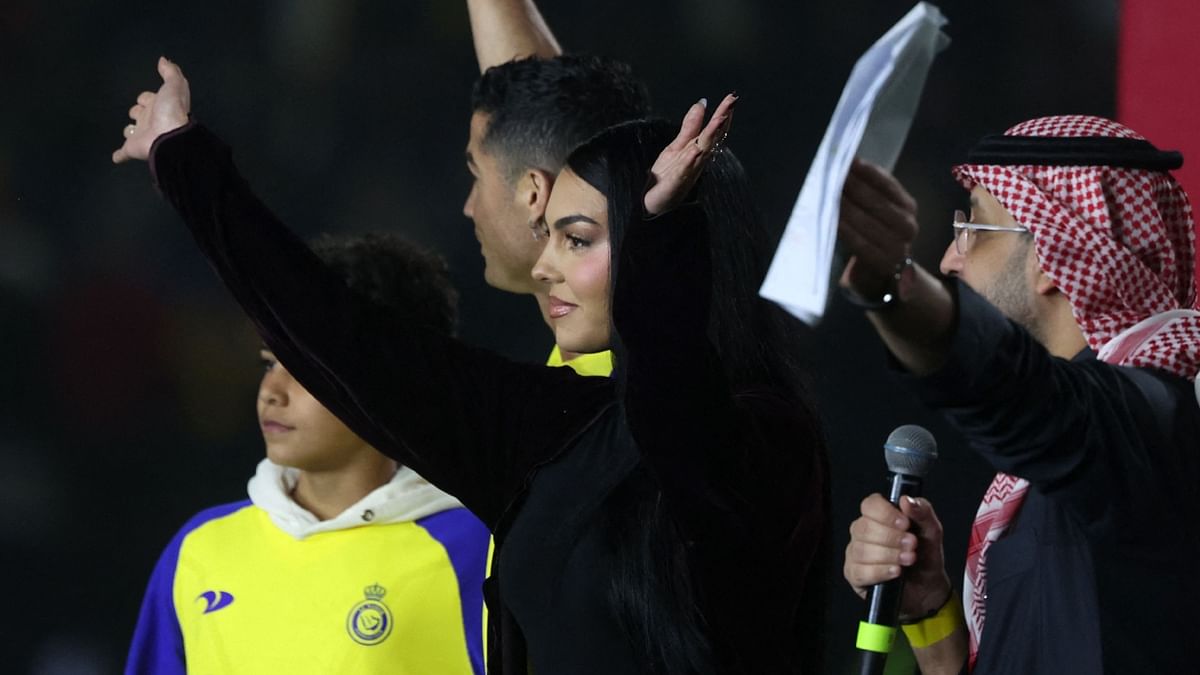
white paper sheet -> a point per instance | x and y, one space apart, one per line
871 121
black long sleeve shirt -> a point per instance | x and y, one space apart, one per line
535 451
1098 573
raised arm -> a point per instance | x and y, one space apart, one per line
504 30
675 396
710 446
1079 431
469 421
878 224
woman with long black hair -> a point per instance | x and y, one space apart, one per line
672 519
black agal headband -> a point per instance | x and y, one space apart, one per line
1126 153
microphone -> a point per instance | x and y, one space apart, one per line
909 451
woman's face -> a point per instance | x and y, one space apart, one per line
574 267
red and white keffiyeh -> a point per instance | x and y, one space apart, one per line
1118 242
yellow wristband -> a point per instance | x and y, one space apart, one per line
937 627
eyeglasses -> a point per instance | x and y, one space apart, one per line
964 231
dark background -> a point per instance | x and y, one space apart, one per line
127 377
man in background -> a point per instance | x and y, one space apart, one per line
530 107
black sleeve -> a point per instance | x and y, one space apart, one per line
469 421
1085 433
718 456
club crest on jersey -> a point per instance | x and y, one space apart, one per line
370 621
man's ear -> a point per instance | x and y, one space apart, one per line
1043 285
533 192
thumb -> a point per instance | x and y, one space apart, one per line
921 513
167 69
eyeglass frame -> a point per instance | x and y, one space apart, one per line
964 228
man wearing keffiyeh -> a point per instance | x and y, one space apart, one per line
1064 342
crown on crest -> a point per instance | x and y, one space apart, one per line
375 592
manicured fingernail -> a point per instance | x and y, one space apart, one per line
908 542
893 571
907 557
901 524
703 102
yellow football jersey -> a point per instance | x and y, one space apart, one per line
235 594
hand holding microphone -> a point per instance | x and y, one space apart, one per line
882 547
887 540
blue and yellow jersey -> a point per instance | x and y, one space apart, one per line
233 593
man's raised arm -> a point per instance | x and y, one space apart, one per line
504 30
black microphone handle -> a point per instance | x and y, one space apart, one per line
883 600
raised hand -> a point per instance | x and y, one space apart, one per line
881 546
680 164
877 225
155 114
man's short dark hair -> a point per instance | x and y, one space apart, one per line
394 273
540 109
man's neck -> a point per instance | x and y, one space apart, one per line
326 494
1059 333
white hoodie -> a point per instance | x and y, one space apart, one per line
406 497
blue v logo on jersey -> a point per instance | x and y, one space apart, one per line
370 621
215 600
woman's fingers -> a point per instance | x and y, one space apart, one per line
693 121
680 164
155 113
718 126
693 129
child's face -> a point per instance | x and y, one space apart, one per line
300 432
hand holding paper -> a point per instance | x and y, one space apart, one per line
871 121
877 225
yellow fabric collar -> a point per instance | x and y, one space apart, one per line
596 365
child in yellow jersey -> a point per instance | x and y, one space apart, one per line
340 561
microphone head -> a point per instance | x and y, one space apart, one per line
910 450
